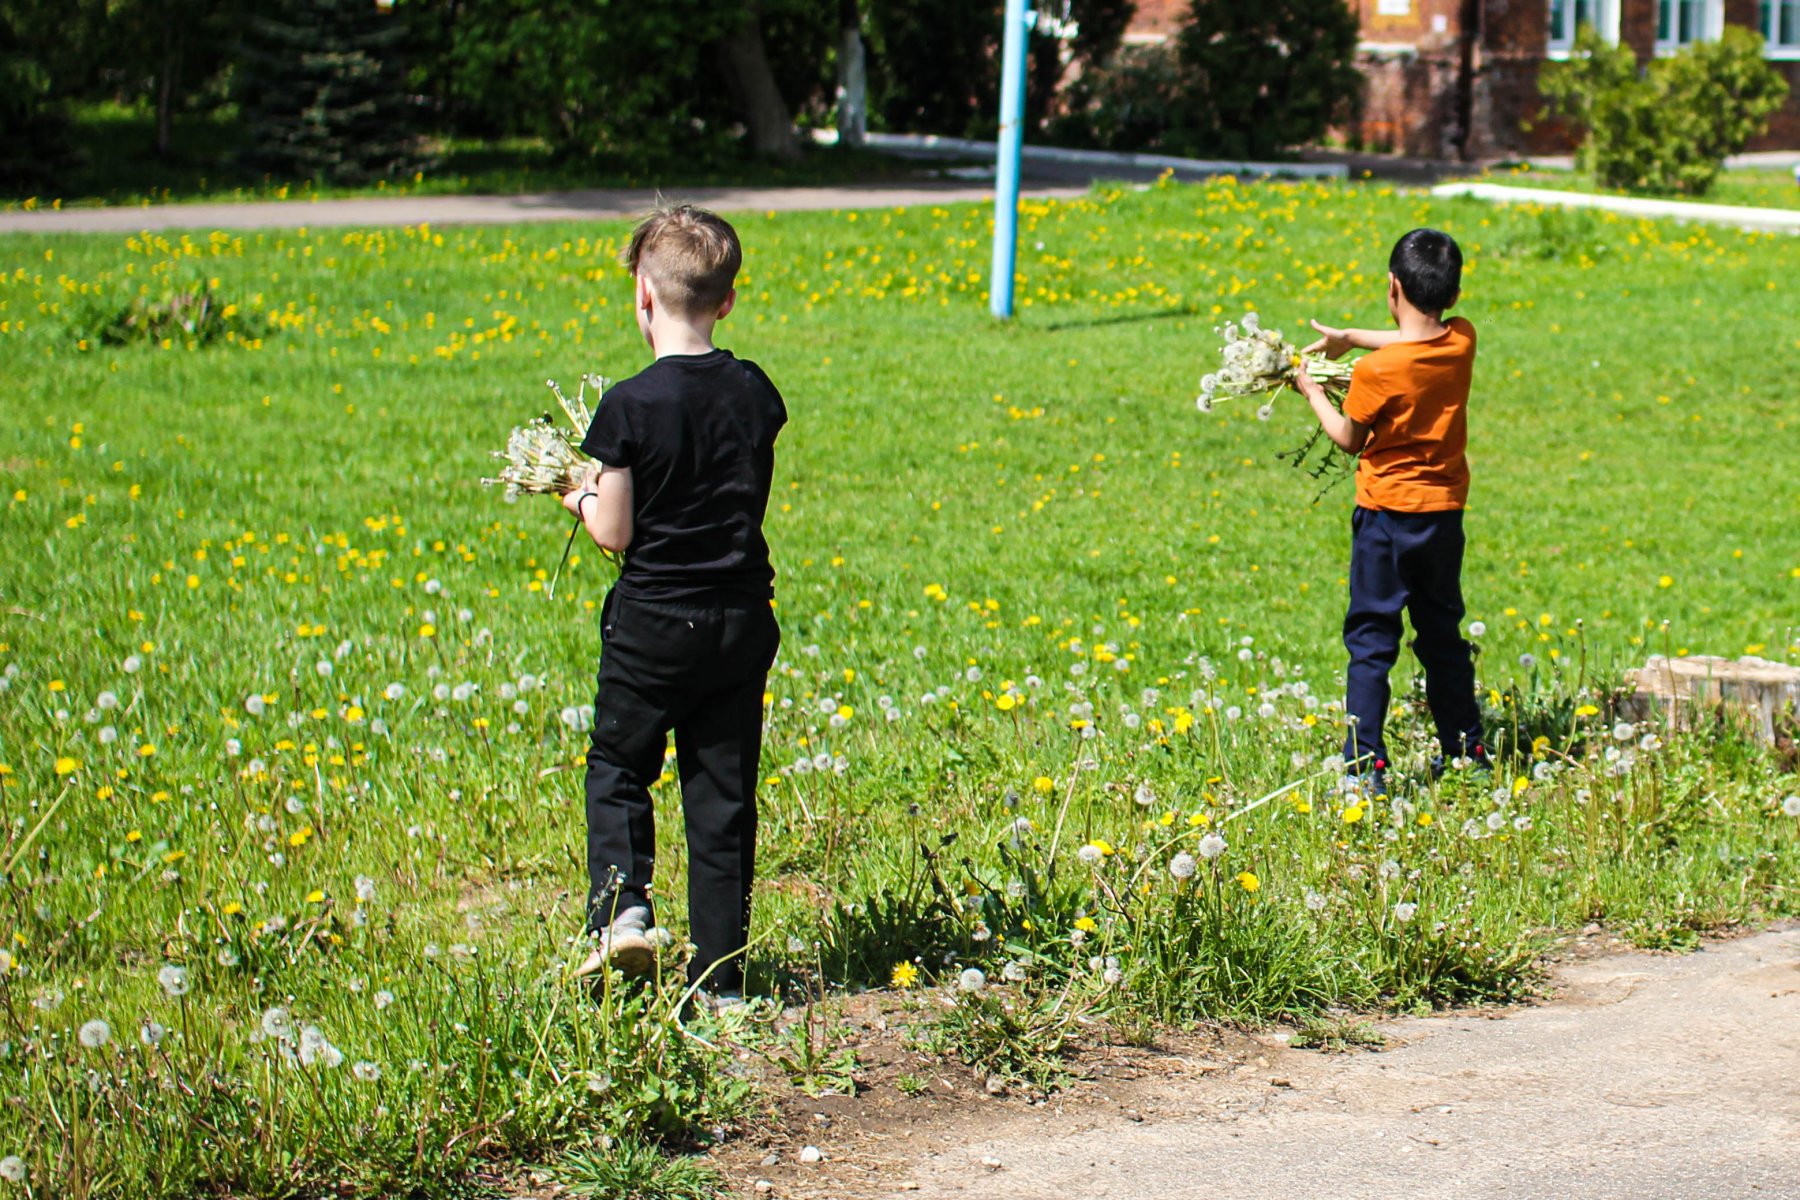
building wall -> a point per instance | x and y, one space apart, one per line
1412 62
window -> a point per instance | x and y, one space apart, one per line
1779 21
1683 22
1567 16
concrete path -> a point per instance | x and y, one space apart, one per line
1647 1078
592 205
1766 220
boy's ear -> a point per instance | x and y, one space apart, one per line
642 294
730 303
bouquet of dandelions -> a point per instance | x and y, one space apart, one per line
1259 362
543 459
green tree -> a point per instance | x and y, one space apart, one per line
935 64
322 85
171 53
1259 79
35 145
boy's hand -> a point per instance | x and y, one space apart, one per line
571 499
1334 343
1309 387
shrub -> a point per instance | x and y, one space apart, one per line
1669 128
195 314
1123 104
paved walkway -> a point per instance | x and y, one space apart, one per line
1647 1078
1764 220
595 204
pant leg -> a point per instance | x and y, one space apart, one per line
1372 630
625 756
718 743
1431 566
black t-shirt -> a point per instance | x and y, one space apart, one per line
697 432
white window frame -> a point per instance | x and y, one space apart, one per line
1773 47
1712 23
1560 43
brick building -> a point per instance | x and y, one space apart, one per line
1458 78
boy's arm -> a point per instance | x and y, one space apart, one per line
603 505
1335 343
1348 435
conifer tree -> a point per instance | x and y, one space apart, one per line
323 91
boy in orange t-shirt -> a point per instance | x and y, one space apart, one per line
1407 414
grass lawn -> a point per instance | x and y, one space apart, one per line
119 166
291 724
1751 187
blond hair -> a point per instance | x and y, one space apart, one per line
690 255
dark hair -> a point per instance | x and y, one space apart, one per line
1428 264
691 255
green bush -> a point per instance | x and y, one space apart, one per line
1666 129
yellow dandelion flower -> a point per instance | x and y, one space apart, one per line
1043 785
67 766
315 896
1353 814
1248 881
1087 924
299 836
904 976
1005 702
1425 818
427 630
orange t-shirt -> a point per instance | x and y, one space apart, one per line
1414 398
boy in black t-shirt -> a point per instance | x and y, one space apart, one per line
686 449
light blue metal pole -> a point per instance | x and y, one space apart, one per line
1006 177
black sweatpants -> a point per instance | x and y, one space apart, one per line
1410 561
697 667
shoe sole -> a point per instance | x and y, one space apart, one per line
631 954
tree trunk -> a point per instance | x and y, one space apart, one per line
765 113
165 104
853 78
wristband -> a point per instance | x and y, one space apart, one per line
581 500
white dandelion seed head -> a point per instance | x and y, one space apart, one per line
1183 866
151 1033
1477 629
132 664
972 979
383 999
106 700
1496 821
365 889
174 979
1211 846
1624 731
1315 901
94 1034
255 705
394 691
1528 661
1089 854
324 667
1791 806
1405 911
108 735
276 1023
12 1169
366 1071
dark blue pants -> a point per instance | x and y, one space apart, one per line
696 668
1411 562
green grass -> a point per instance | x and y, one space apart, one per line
389 848
1752 187
118 165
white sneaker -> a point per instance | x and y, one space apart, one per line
623 945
